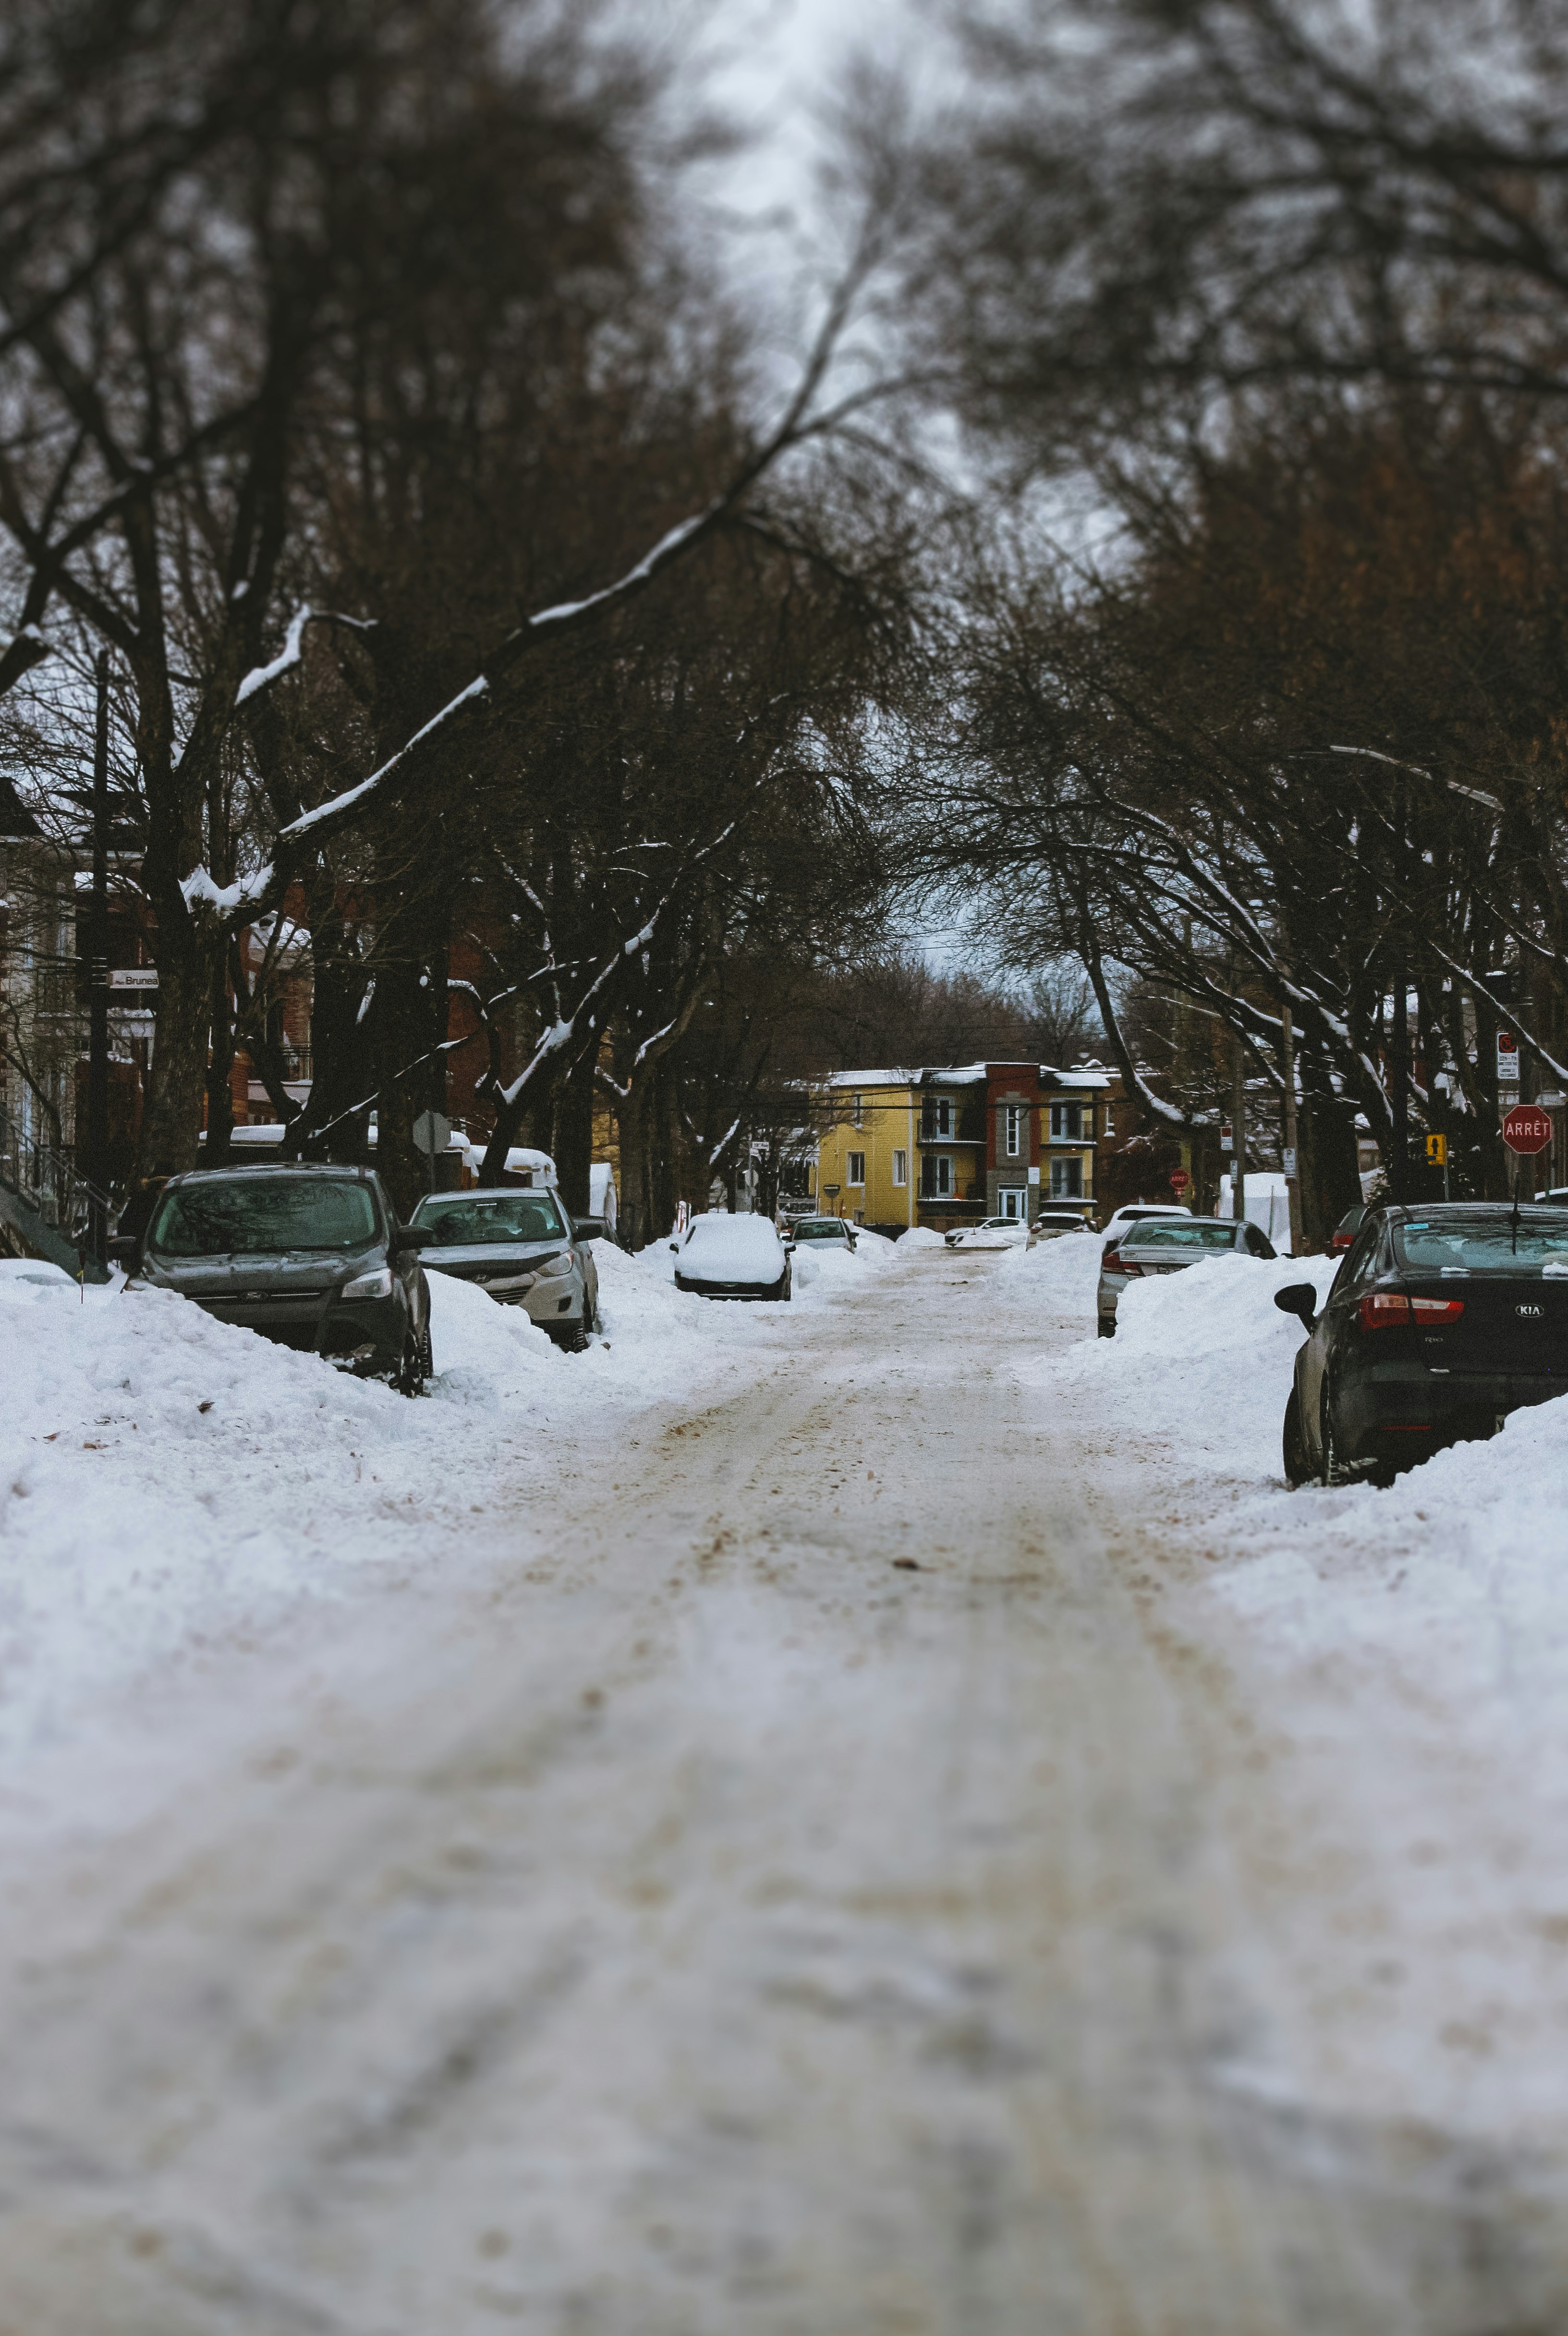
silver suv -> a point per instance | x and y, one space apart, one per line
522 1248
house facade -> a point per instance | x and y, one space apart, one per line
945 1147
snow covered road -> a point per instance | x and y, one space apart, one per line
819 1861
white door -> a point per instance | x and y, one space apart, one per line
1013 1202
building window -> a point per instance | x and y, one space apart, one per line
938 1115
1110 1121
856 1172
936 1176
901 1167
1067 1123
855 1114
1012 1130
1067 1176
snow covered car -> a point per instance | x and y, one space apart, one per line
1160 1246
837 1229
1440 1321
733 1257
31 1273
520 1247
991 1232
1133 1212
311 1256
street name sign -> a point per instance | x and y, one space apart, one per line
133 976
1526 1128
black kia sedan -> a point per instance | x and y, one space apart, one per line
1440 1321
312 1257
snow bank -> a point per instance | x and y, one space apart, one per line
165 1478
919 1237
1057 1276
1410 1647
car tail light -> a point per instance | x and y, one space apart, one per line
1339 1241
1383 1309
1116 1264
1436 1310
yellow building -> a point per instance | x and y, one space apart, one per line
945 1147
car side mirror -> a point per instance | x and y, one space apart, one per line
674 1247
588 1228
124 1250
1300 1298
789 1246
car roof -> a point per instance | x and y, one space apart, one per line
348 1170
494 1193
1231 1224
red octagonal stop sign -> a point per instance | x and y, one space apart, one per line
1526 1128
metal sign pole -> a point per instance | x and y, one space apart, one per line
97 1167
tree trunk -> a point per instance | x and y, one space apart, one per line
1330 1178
220 1066
177 1078
573 1145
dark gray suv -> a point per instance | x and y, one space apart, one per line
312 1256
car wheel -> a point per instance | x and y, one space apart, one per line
427 1353
1331 1467
411 1378
1298 1467
1107 1325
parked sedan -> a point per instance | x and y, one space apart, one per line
522 1248
733 1257
1162 1245
311 1257
836 1229
1440 1321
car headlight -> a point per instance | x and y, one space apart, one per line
553 1267
378 1284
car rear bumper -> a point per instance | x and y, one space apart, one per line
1405 1410
751 1290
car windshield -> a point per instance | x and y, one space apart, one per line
263 1215
1161 1232
1489 1244
467 1219
819 1229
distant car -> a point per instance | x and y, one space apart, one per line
991 1232
1134 1213
35 1273
312 1257
522 1248
1158 1245
837 1229
733 1257
1345 1231
1051 1222
1441 1321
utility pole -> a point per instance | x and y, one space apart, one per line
97 1165
1238 1132
1292 1161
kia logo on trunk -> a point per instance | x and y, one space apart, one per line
1531 1313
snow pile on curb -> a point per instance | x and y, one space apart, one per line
166 1479
1057 1276
1406 1649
